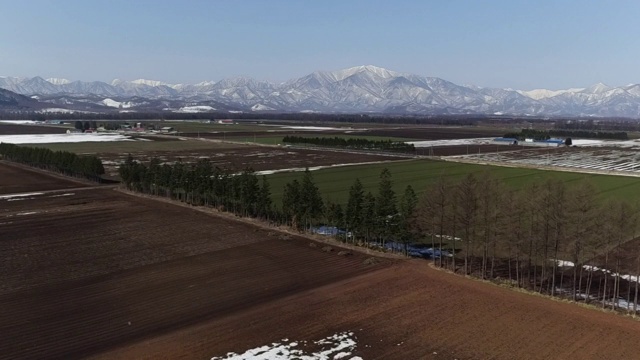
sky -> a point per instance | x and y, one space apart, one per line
501 43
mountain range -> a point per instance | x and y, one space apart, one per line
358 89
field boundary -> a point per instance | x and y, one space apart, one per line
539 167
505 285
49 173
261 224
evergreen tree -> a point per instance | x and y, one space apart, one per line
264 199
369 216
355 204
386 210
311 205
291 202
408 204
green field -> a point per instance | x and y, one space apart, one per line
136 146
334 183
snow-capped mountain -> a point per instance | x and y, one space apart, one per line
357 89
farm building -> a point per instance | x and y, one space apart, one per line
166 129
505 141
225 121
73 131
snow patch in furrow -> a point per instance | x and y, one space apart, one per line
337 346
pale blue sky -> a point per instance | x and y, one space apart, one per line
509 43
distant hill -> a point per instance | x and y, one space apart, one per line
12 101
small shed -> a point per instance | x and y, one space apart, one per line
166 129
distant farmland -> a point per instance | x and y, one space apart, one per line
334 183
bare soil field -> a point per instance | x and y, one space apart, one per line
435 133
102 274
409 311
97 268
454 150
14 129
239 157
17 179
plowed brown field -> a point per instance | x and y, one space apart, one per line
17 179
102 274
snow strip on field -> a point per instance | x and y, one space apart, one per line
26 213
61 138
314 168
19 122
337 346
4 197
67 194
451 142
312 128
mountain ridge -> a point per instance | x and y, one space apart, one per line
365 88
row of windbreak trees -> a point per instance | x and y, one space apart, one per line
367 216
351 143
547 237
201 184
68 163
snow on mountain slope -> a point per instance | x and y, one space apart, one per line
58 81
196 109
356 89
116 104
260 107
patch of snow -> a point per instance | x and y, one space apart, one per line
314 168
116 104
432 143
58 81
196 109
19 122
61 138
3 197
61 195
26 213
235 111
314 128
337 346
260 107
148 82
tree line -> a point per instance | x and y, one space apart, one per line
68 163
201 184
368 217
547 237
351 143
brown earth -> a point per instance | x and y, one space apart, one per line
85 266
19 179
241 156
409 311
106 275
465 150
435 133
15 129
